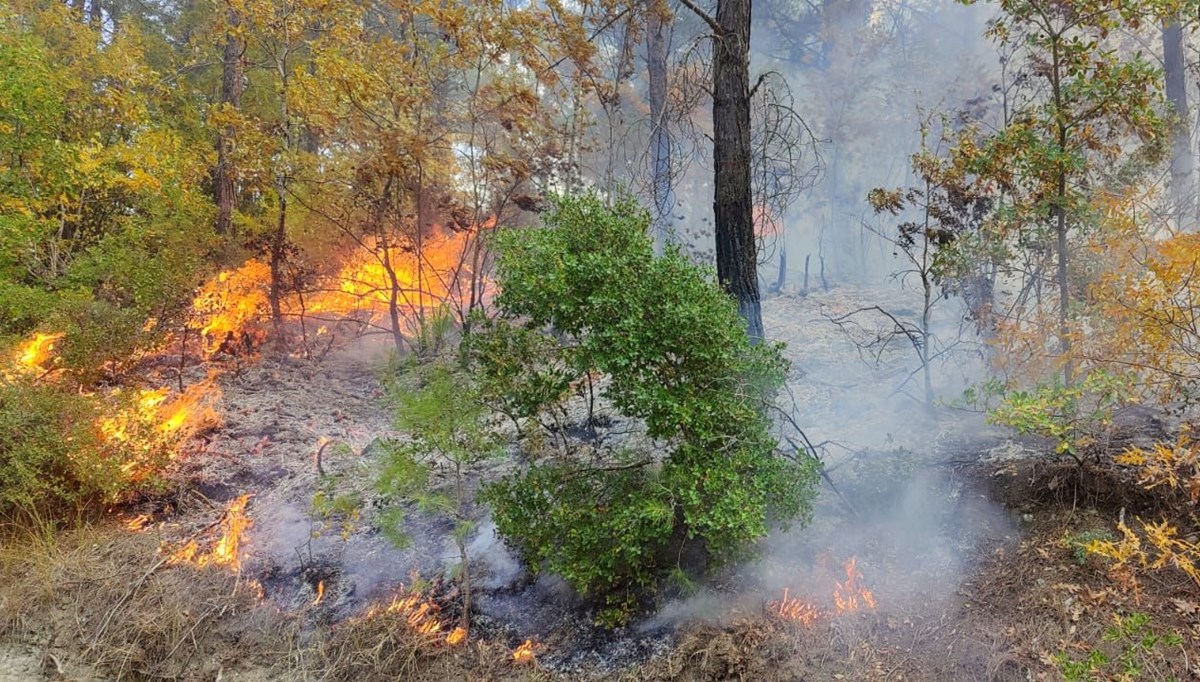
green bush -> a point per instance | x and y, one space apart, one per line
52 457
1073 416
582 296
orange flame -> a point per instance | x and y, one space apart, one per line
225 552
320 592
794 609
362 290
852 595
147 426
420 613
525 653
232 299
138 522
422 282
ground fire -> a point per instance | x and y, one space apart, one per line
525 652
37 352
848 596
225 550
366 289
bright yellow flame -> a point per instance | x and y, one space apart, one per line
524 653
225 552
320 592
232 299
456 636
37 351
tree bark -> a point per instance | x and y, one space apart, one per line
1183 201
225 190
737 257
660 141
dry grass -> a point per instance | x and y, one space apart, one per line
105 597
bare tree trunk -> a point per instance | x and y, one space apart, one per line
660 141
225 189
737 257
1183 200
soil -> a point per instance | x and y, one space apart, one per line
959 531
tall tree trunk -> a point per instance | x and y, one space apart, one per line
737 257
1183 201
225 189
660 141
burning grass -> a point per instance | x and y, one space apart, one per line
849 596
225 549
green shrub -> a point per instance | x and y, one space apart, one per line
1073 416
584 296
52 457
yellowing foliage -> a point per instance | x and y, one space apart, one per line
1172 465
1147 315
1157 547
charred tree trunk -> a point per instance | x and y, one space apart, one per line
1183 202
660 141
737 257
225 190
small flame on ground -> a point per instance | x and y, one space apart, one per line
421 614
320 592
852 594
225 552
37 351
138 522
794 609
848 596
525 653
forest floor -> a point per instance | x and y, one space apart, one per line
961 534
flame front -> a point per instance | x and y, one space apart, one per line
852 594
848 596
421 614
372 283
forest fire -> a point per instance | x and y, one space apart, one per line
225 552
228 302
366 289
320 593
415 281
795 609
36 352
420 613
851 595
150 424
848 596
525 652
